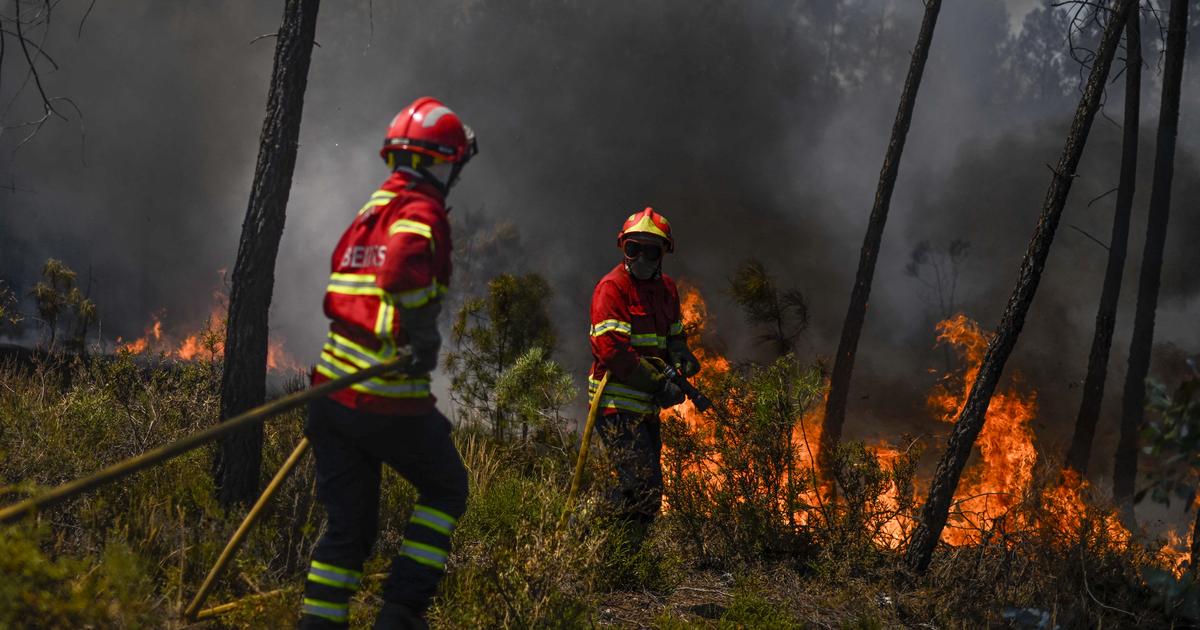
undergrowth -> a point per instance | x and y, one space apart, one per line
746 542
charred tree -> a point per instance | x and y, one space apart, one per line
1106 314
971 418
1125 463
243 383
839 383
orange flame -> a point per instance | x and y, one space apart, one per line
990 489
205 342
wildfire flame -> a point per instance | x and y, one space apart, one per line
991 486
204 342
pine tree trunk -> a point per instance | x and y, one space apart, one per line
243 382
1125 464
1106 315
839 385
970 420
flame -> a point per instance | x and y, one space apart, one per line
206 342
990 489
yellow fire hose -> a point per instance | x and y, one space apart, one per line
583 450
231 547
129 466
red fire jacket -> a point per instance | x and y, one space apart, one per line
630 319
395 254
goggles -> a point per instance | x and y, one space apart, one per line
634 249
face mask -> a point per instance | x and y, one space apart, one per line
641 268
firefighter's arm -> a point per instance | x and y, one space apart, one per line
611 341
677 348
409 279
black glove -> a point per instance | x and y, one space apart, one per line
669 395
682 358
423 337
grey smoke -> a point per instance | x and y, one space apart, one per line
757 127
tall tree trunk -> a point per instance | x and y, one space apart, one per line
1106 314
839 385
970 420
1125 464
243 382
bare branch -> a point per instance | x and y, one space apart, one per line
1081 231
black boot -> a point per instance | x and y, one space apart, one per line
395 616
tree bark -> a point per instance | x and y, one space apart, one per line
1106 315
1125 464
970 420
839 384
243 382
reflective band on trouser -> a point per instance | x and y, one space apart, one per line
331 575
436 520
676 329
649 340
611 325
380 198
339 613
427 555
420 297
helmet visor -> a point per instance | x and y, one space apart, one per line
648 251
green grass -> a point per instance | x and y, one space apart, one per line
131 554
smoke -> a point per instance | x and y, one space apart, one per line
757 127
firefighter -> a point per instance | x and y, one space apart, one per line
636 329
389 272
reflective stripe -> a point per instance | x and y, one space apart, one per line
380 198
648 340
353 284
676 329
420 297
616 389
408 226
626 404
331 575
385 317
436 520
425 554
332 366
611 325
327 610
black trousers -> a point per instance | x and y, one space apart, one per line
634 444
350 447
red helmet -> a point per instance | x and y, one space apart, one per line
647 222
428 127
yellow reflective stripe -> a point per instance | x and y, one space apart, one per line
425 554
331 575
648 339
420 297
403 387
618 390
384 317
345 346
625 404
379 198
676 329
433 518
332 611
353 278
409 226
611 325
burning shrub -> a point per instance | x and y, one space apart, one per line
742 479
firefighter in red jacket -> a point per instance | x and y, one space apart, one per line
636 330
389 272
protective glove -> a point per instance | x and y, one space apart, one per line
669 395
682 358
420 324
648 375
